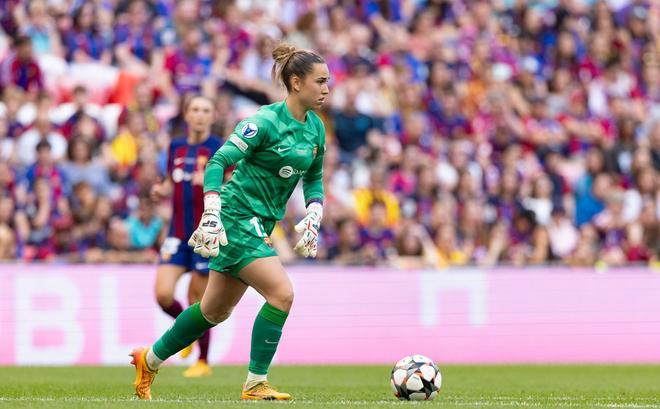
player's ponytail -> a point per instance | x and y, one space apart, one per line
289 61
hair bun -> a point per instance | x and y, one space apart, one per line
283 52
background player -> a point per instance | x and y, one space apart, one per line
187 159
273 149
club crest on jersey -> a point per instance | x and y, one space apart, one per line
268 242
249 130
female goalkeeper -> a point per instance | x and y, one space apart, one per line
273 149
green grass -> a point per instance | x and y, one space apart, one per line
338 387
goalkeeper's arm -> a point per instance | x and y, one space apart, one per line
210 234
309 226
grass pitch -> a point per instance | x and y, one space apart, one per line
337 387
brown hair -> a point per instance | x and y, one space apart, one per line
290 61
191 98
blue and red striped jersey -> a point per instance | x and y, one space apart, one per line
185 167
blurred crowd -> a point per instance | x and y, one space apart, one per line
460 132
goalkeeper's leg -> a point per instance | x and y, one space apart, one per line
267 276
221 296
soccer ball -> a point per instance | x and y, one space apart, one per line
416 377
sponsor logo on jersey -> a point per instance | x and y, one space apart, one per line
240 144
187 161
288 171
249 130
180 175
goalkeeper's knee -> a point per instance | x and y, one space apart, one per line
216 317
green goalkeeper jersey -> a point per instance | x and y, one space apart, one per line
273 151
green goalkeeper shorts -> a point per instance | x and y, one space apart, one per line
248 239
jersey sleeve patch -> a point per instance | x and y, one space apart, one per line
249 130
240 144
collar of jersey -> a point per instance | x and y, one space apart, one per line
288 114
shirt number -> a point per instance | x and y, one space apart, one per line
257 226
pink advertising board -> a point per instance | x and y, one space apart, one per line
64 315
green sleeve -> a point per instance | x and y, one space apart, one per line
313 179
227 155
246 138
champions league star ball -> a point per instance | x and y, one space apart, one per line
416 377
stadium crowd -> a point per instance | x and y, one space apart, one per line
459 131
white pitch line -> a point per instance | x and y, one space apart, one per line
495 401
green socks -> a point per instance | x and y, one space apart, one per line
266 335
191 324
188 326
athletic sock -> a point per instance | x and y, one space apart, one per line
254 379
188 327
266 335
153 362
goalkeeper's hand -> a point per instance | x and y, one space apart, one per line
210 233
309 227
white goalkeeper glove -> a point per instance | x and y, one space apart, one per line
210 233
309 227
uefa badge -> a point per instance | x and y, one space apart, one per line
249 130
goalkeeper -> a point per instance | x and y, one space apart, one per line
282 143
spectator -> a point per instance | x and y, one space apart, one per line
134 37
80 166
188 66
43 211
41 29
634 246
347 248
20 69
45 168
72 125
540 201
611 226
144 227
449 251
524 242
9 239
351 127
6 142
562 234
414 248
588 193
586 252
125 147
376 192
42 131
84 41
376 238
142 104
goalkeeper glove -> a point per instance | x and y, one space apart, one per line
210 233
309 227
